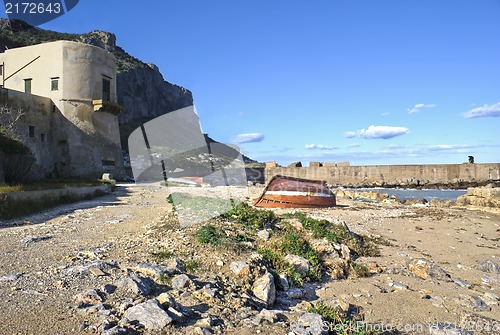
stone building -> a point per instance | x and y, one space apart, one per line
67 91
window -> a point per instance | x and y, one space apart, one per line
27 85
1 70
106 162
42 137
54 84
106 89
32 131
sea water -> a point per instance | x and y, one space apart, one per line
410 193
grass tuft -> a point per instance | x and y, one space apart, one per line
250 217
209 234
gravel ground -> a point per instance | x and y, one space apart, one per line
48 259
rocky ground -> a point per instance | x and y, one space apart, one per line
121 264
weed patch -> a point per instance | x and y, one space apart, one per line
337 233
250 217
191 266
340 322
292 243
209 234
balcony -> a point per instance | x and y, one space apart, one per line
106 107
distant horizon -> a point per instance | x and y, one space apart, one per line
369 82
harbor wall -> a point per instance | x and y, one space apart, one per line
435 175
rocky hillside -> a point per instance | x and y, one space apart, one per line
141 88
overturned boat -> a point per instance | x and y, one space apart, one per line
290 192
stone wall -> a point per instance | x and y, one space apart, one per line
451 175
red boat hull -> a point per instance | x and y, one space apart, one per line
289 192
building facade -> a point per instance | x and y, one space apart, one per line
67 92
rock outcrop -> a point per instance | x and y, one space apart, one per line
487 196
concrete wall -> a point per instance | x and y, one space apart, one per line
393 175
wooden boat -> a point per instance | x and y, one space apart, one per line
290 192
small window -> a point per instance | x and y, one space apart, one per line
42 137
32 131
106 89
1 70
106 162
27 85
54 84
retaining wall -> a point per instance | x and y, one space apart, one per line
459 175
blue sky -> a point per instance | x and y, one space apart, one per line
371 82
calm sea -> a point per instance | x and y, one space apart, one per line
409 193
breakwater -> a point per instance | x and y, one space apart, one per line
418 176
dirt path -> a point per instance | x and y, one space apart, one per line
43 261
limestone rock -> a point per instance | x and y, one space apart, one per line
300 264
345 252
295 293
154 271
264 289
425 268
149 314
116 330
165 300
322 246
263 235
181 282
461 282
474 302
446 328
283 282
90 297
136 284
240 268
488 266
309 324
337 267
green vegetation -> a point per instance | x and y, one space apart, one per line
209 234
286 239
292 243
340 322
336 233
10 188
250 217
360 270
191 266
51 184
161 255
164 279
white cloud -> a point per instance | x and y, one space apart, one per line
378 132
248 138
418 107
484 111
319 147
